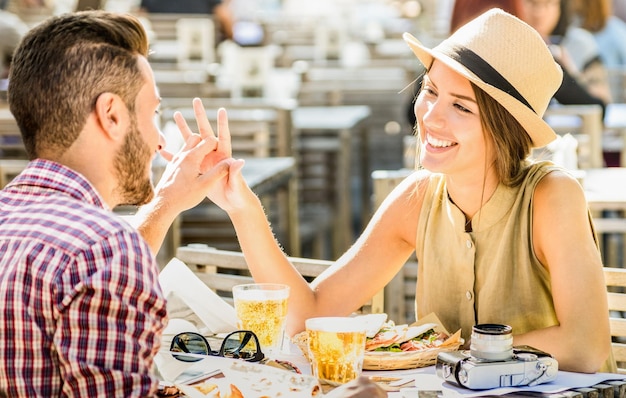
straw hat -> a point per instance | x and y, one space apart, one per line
507 59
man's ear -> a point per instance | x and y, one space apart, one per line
111 114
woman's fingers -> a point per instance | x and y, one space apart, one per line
167 155
189 137
207 147
204 127
224 143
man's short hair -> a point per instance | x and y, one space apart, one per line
63 65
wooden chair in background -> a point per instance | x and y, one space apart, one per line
615 279
11 146
220 270
249 137
196 42
585 123
276 113
399 294
13 157
245 70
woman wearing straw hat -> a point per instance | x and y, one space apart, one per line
499 238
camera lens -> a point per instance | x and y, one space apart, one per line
492 342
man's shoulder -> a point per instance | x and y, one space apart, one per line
63 222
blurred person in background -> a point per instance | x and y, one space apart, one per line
219 9
619 9
609 31
574 48
466 10
83 5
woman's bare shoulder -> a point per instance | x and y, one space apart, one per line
558 183
416 179
407 196
412 186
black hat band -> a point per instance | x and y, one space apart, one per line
483 70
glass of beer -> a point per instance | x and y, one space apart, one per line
336 348
262 308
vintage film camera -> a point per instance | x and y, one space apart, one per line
494 362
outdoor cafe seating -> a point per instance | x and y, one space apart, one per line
319 115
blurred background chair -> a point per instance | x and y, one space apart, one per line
615 279
223 269
399 294
195 38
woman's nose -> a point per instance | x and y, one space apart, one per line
432 114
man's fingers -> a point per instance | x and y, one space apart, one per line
222 169
236 165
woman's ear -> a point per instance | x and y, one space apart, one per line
112 115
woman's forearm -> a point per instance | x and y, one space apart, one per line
268 263
573 351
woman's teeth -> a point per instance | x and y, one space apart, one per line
437 143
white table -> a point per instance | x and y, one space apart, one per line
426 379
605 188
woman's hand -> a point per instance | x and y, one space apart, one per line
202 162
232 192
202 165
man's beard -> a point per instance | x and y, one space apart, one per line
134 187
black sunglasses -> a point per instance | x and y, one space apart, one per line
241 344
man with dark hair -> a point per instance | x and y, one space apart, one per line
81 310
219 9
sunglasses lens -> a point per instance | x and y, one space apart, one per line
242 345
192 343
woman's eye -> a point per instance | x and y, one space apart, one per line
429 91
462 108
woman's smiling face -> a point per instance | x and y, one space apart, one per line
451 133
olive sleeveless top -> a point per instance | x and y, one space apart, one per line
490 275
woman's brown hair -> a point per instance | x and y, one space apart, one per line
511 142
593 13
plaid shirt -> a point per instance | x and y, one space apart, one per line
81 310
